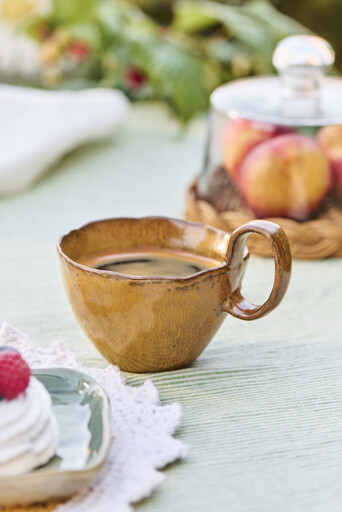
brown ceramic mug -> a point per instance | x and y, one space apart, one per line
147 324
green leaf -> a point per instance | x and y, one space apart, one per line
179 78
190 17
88 32
35 26
237 23
277 23
69 11
222 50
119 16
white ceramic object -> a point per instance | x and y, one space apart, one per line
82 410
37 127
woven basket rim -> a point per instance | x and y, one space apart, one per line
312 240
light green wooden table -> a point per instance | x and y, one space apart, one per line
263 404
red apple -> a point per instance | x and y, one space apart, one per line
242 136
288 176
329 139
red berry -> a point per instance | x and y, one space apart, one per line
79 50
14 374
134 78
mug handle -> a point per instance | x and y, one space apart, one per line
236 304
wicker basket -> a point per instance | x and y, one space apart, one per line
311 240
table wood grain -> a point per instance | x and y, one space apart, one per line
262 407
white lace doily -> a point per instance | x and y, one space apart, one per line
142 431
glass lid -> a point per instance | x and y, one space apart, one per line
300 95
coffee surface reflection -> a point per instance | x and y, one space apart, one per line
150 263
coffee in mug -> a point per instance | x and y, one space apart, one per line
164 263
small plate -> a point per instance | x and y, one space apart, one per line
82 411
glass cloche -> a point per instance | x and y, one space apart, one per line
275 142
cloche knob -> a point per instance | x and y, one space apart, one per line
301 62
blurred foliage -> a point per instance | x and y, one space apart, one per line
322 16
174 52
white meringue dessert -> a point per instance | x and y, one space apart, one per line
28 430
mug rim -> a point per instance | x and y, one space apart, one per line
110 273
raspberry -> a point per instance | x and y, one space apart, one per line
14 374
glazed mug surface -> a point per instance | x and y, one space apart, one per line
148 324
